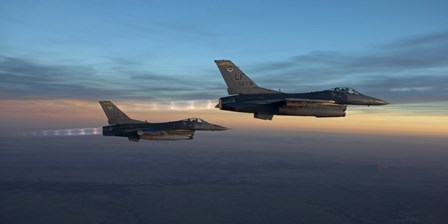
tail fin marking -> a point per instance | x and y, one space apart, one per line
237 81
115 115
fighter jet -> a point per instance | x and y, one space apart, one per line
122 125
248 97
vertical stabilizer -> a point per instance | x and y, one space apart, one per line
238 82
115 115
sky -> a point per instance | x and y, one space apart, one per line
155 59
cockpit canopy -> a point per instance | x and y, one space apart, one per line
345 90
195 120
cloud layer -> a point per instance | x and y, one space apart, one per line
412 69
22 78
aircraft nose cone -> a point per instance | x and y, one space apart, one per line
219 128
379 102
382 102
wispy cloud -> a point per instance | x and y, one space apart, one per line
25 79
177 30
417 65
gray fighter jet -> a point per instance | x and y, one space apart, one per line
123 126
265 103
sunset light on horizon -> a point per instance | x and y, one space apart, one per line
403 119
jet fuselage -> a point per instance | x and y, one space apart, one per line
182 127
122 125
277 103
247 96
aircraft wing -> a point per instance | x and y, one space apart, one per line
165 132
160 133
166 135
266 102
296 102
142 132
301 107
293 102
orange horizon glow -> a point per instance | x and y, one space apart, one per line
62 113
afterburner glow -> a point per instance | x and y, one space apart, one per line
65 132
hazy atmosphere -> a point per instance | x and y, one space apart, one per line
155 60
